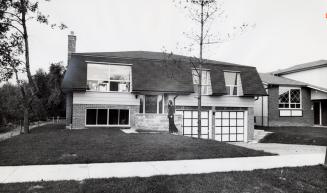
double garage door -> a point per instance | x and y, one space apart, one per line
227 126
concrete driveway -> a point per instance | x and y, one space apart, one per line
284 149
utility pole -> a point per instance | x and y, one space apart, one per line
200 71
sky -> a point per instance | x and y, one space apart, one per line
281 33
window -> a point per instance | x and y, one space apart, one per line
107 117
233 83
289 98
108 78
206 82
152 104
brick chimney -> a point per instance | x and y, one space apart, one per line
71 45
69 95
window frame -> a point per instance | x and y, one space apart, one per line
238 87
195 76
289 98
142 97
108 125
109 64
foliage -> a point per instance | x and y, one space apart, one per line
15 17
50 103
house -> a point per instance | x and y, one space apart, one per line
132 89
297 96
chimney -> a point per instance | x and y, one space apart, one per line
71 45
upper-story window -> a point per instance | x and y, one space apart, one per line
206 88
233 83
108 78
289 98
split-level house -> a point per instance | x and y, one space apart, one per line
132 89
297 96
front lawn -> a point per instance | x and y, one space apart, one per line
303 179
53 144
296 135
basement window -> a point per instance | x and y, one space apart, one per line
107 117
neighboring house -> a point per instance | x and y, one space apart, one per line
297 96
132 90
313 74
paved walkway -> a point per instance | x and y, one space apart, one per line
17 130
11 174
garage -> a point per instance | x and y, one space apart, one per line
190 123
229 125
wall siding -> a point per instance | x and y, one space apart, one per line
276 120
114 98
314 76
222 101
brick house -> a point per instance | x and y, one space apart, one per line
132 89
292 102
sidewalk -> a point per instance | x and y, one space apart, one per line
12 174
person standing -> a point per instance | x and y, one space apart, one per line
171 112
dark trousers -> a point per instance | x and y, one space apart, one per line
172 126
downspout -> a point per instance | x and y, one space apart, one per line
174 102
261 110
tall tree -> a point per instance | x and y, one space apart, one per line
15 16
203 13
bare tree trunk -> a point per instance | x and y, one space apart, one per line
31 82
200 73
26 120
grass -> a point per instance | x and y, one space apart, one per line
52 144
302 179
296 135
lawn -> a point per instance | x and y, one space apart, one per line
296 135
53 144
303 179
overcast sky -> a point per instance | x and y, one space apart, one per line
286 32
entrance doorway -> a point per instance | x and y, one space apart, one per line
317 113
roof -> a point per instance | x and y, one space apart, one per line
302 67
277 80
157 72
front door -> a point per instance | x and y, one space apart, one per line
316 113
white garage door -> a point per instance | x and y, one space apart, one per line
190 123
229 126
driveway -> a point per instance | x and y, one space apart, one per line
283 149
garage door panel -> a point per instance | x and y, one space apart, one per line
225 122
232 137
240 129
225 130
218 130
240 137
232 130
225 137
187 130
232 122
240 122
229 126
187 114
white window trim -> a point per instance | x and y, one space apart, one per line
108 84
108 125
163 104
208 81
289 99
239 87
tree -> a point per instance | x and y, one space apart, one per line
203 12
15 16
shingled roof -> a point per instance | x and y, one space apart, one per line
157 72
277 80
302 67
